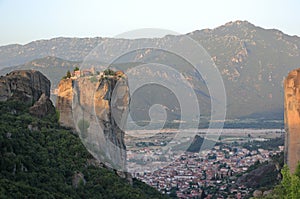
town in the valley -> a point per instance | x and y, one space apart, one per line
207 173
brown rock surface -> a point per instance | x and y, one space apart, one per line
111 105
97 110
64 103
24 85
257 193
42 107
30 87
292 118
256 177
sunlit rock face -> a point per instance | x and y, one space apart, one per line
64 103
292 118
96 107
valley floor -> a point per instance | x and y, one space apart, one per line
210 172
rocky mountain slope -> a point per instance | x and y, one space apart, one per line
253 62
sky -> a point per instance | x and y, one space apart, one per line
25 21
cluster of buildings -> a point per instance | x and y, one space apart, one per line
84 72
91 72
210 171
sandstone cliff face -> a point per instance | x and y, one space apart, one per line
111 106
64 103
97 109
24 85
292 118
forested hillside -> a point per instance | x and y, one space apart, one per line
40 159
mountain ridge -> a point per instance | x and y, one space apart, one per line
253 61
244 22
92 42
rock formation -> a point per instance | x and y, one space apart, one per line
24 85
292 118
260 177
111 103
97 108
64 103
42 107
78 178
29 87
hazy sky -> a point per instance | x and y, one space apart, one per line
22 21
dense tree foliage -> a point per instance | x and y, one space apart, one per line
39 159
289 188
109 72
68 74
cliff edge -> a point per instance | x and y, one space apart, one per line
292 119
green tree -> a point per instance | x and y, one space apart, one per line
286 182
295 188
76 69
289 187
109 72
68 74
297 171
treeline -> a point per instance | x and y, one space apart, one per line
271 144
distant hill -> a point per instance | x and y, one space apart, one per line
52 67
197 144
74 49
253 62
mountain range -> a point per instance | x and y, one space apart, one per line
253 62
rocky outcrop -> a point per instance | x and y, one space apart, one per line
78 179
29 87
292 118
111 105
42 107
24 85
260 193
260 177
257 193
64 103
96 107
